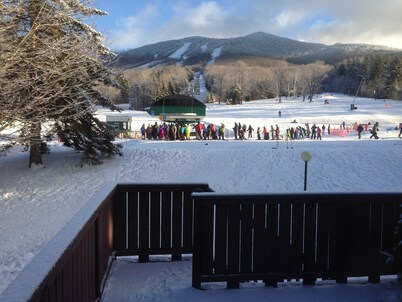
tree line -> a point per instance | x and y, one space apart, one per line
380 76
233 83
377 76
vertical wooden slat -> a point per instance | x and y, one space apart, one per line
77 273
85 264
296 262
132 221
285 255
94 285
60 288
361 236
220 233
246 243
389 216
69 280
198 243
188 221
323 236
144 227
260 239
155 231
309 241
340 244
177 220
166 220
374 257
233 243
273 248
119 223
206 229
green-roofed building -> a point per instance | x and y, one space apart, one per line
178 108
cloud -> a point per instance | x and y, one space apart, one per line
321 21
285 19
207 15
133 29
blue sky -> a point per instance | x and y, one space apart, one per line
133 23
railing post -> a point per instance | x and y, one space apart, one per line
197 245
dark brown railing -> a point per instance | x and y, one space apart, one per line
292 236
232 237
154 219
129 219
72 265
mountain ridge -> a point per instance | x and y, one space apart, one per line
197 50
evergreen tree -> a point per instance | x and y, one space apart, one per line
393 78
51 63
235 95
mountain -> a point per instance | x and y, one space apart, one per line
201 50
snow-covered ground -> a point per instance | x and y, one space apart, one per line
36 203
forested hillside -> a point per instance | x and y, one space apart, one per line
258 66
380 76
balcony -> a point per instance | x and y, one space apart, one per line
232 239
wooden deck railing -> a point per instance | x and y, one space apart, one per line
129 219
72 265
292 236
232 237
154 219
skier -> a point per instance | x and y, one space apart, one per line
250 131
374 131
319 133
313 132
277 131
213 132
259 133
222 132
143 131
198 129
272 132
266 133
359 131
235 130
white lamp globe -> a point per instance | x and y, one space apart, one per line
306 156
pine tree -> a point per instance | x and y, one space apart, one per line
235 95
51 63
393 78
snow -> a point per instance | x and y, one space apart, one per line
204 47
171 281
179 52
36 203
215 54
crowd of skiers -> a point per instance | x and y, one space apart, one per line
274 133
177 131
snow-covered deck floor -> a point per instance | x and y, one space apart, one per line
164 281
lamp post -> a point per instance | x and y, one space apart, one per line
306 157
